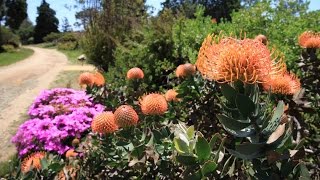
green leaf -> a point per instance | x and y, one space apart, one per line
231 123
186 160
138 152
193 176
55 167
203 149
190 132
270 126
232 167
208 167
44 163
213 140
245 105
181 146
248 150
229 92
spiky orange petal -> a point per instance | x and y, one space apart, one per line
126 116
309 39
283 84
98 79
32 160
153 104
86 78
135 73
104 123
171 95
185 70
229 59
71 153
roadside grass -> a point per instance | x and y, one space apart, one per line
7 167
73 55
8 58
67 79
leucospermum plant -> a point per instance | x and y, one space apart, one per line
256 133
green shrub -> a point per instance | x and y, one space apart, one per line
9 37
8 48
67 37
52 37
69 45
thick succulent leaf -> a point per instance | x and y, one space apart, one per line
213 140
203 149
270 126
181 146
229 92
245 105
277 133
241 133
208 167
190 132
248 150
231 123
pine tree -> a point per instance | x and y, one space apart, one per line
16 13
46 22
66 27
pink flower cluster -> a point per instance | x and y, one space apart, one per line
57 116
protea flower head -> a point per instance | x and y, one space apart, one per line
126 116
86 78
286 83
71 153
153 104
98 79
135 73
185 70
309 39
262 38
104 123
32 160
171 95
228 60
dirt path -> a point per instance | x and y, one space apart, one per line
20 83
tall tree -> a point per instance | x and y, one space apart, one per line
66 27
2 14
46 22
215 8
16 13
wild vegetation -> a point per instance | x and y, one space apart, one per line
191 93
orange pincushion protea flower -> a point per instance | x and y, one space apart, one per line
171 95
309 39
153 104
104 123
262 38
185 70
229 59
71 153
32 160
98 79
283 84
126 116
135 73
86 79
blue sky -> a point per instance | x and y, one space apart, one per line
62 11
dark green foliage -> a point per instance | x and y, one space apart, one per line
52 37
218 9
108 29
8 37
46 22
25 31
16 13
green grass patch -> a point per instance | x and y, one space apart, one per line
7 58
72 55
67 79
7 167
